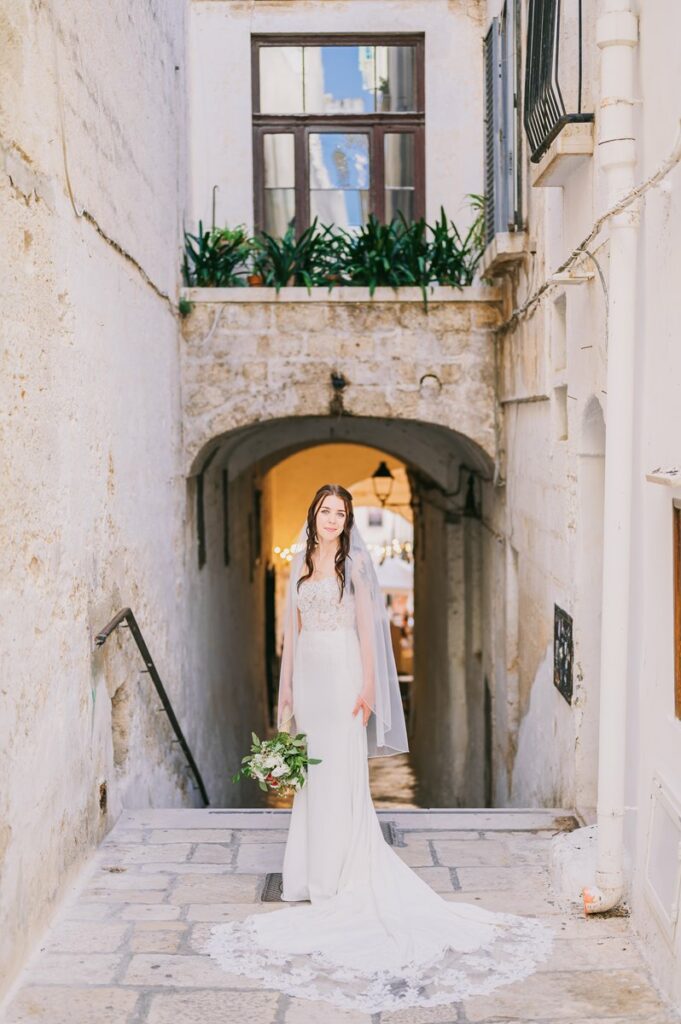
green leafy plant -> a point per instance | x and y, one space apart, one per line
375 255
453 258
393 255
306 260
185 307
217 258
279 764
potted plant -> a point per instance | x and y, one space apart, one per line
217 258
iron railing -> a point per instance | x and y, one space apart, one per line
126 619
545 112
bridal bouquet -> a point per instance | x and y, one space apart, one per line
279 764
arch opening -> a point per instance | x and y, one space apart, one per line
255 486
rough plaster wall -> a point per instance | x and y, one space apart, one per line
430 736
654 732
225 665
92 498
475 640
265 360
447 734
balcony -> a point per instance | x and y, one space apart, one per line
559 131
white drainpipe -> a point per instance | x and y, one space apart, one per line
617 37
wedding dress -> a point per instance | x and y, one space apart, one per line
375 936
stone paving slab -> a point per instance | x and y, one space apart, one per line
127 948
210 1007
72 1005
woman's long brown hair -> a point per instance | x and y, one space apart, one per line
343 539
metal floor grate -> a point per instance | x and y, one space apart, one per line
271 890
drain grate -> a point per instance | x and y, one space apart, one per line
271 890
392 834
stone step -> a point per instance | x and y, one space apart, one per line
520 819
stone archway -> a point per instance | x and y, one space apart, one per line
248 360
454 557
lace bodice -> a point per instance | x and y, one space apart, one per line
320 608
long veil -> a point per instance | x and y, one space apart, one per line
386 728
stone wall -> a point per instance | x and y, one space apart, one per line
91 196
251 358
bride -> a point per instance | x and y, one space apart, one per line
375 936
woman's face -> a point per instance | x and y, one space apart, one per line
330 518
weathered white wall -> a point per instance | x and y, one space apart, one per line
225 656
92 516
221 107
555 482
656 743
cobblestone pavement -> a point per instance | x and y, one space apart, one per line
124 948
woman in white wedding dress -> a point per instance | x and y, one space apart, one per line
375 935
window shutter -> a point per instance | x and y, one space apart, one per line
492 129
502 188
510 166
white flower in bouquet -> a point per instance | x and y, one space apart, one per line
279 764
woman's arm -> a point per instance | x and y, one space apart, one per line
285 700
365 631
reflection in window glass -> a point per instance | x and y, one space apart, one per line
395 78
281 79
280 209
399 175
278 155
399 159
339 178
399 200
279 172
280 178
346 208
339 160
339 79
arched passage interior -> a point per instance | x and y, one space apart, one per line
234 495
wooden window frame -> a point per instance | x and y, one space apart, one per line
302 125
677 605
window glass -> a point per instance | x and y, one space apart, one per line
280 209
398 157
339 79
279 171
395 79
339 178
281 79
278 155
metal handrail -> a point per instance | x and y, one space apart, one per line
126 618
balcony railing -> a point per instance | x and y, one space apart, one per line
553 73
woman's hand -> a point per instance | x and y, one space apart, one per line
366 709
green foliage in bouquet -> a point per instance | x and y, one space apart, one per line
279 764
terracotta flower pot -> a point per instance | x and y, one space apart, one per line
255 280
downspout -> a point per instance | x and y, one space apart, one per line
617 37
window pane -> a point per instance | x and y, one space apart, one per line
347 208
279 160
280 208
339 79
399 199
281 79
395 78
399 159
339 160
